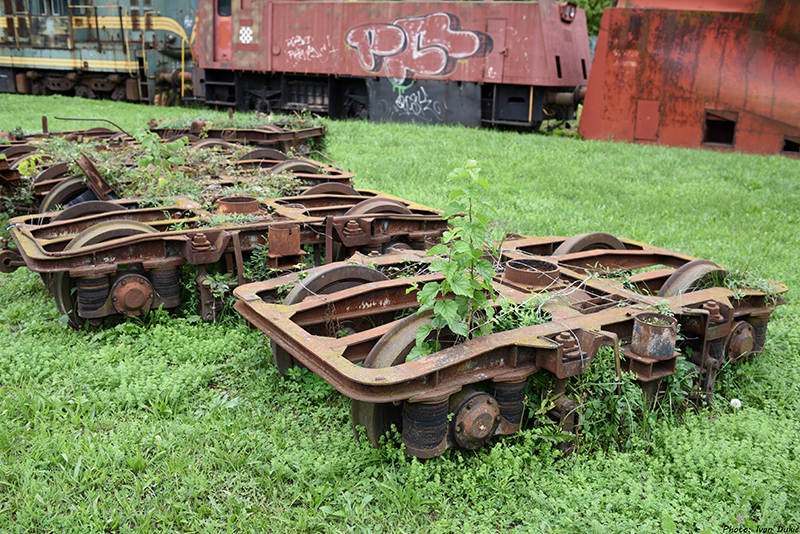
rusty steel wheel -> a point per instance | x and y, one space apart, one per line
378 205
323 281
390 350
85 209
695 275
209 143
296 165
54 171
65 192
261 154
590 241
331 188
64 287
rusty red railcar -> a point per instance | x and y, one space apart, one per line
723 75
506 63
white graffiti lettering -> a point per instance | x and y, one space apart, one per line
418 104
429 45
303 48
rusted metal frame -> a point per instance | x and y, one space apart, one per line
145 247
260 290
421 378
328 360
68 228
378 228
624 259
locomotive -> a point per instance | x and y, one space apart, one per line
474 63
135 50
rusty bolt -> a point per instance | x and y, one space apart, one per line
497 418
200 242
714 314
470 404
460 428
566 340
352 228
490 401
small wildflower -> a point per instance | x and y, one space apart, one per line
736 403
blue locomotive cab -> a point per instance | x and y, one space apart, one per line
138 50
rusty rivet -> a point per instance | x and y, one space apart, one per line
490 401
460 428
470 404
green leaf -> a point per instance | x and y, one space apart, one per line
447 310
668 525
437 249
459 328
422 333
428 293
485 269
461 286
461 247
454 208
438 266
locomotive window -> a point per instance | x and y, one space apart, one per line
58 7
224 8
39 7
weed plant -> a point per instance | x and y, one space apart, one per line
167 424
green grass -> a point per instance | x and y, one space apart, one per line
170 425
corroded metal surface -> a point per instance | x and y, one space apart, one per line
721 76
184 233
587 312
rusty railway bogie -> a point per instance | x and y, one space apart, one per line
90 185
463 380
86 258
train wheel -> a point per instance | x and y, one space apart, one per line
692 276
265 156
65 192
85 209
331 188
64 287
323 282
296 165
378 205
209 143
590 241
392 349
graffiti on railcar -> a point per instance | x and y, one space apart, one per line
418 104
430 45
303 48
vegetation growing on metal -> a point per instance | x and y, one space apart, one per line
467 274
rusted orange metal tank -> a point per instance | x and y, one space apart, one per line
715 74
